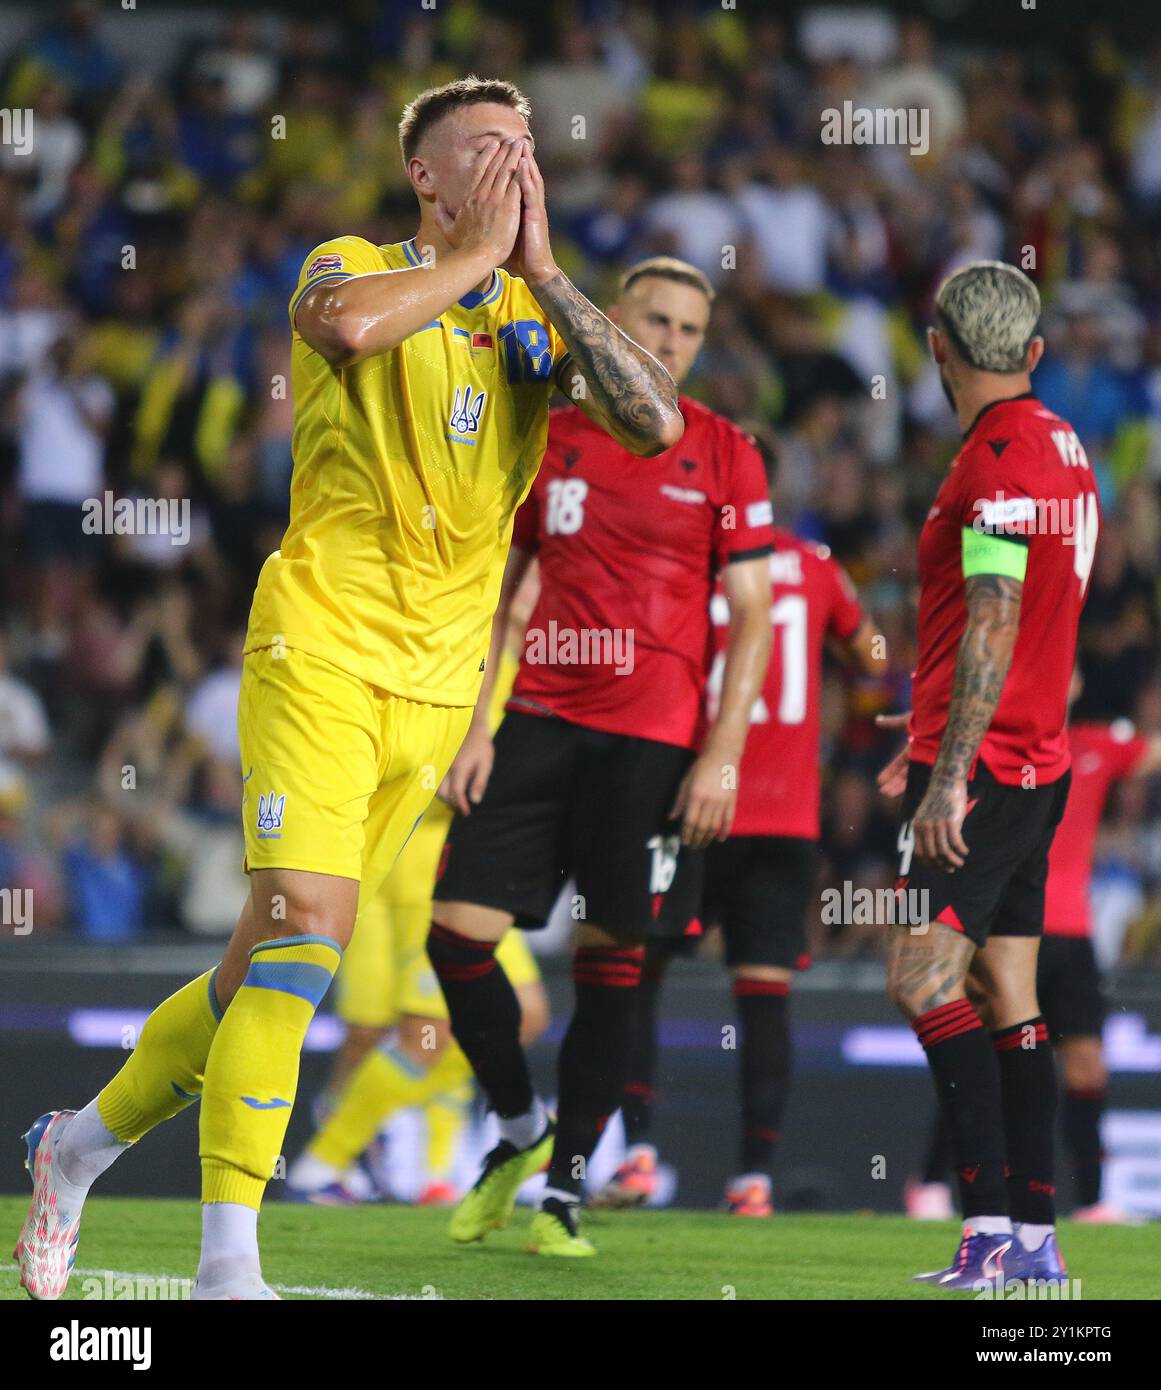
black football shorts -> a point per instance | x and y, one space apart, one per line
567 802
757 889
999 890
1068 985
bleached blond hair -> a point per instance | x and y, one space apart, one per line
989 310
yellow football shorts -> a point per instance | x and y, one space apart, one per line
336 771
385 970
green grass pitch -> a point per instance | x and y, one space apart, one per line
397 1251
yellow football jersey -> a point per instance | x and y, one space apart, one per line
408 467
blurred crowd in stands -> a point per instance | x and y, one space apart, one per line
185 162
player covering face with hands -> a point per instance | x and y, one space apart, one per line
421 374
502 203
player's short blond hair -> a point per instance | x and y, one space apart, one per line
430 107
989 310
667 268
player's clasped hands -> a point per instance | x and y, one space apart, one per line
532 255
489 218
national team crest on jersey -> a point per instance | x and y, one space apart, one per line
323 265
270 811
466 410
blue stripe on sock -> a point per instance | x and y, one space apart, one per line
299 977
306 940
413 1069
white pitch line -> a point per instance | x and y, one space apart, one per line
323 1291
305 1290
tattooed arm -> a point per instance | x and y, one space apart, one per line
985 654
618 385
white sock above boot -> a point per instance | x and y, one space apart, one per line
86 1148
229 1244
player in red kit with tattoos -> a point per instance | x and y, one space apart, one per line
1004 562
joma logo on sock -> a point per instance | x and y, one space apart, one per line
77 1343
276 1103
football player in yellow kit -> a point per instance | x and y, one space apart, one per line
421 374
386 979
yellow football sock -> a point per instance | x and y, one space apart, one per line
164 1071
252 1071
446 1116
386 1081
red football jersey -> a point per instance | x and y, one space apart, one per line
811 599
629 548
1101 753
1023 474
